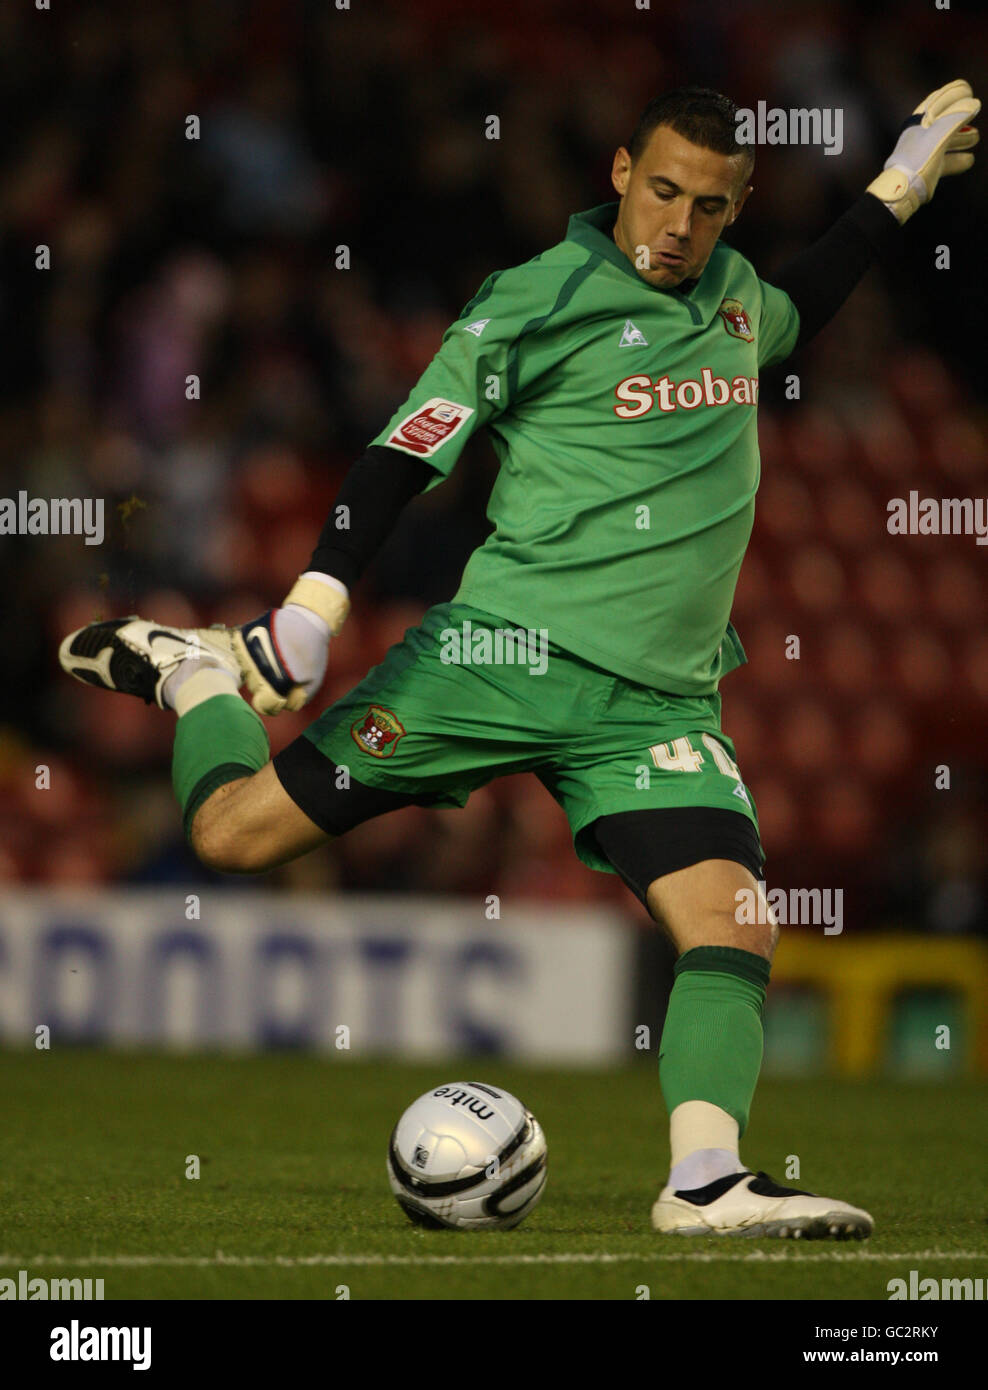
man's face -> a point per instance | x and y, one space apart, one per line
675 200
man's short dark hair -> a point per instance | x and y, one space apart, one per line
702 116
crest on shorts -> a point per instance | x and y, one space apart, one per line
378 733
736 321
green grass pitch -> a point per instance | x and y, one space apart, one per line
293 1201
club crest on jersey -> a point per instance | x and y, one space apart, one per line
379 733
736 321
429 426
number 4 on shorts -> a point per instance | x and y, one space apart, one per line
681 756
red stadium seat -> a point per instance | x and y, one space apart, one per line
79 858
852 516
240 606
66 799
537 822
272 481
924 666
844 814
389 626
887 444
808 738
975 666
779 818
817 443
348 654
886 584
233 553
816 578
772 445
746 731
14 868
850 658
768 667
956 592
921 384
125 734
882 741
286 727
283 551
785 509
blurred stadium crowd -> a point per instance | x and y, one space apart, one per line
217 256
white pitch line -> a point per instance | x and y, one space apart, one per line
369 1261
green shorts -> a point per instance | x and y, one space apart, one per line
462 699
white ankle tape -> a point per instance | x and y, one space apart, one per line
696 1124
202 685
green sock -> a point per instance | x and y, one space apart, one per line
216 742
711 1047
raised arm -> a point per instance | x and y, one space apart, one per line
935 141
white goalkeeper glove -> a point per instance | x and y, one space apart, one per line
932 144
283 653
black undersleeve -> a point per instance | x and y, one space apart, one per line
820 278
645 845
310 779
375 491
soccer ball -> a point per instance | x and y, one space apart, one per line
467 1156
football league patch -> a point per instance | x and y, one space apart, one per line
429 426
378 733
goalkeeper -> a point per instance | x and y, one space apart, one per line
617 376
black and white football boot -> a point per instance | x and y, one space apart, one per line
752 1204
136 657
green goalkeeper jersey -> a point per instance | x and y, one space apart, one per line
624 420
